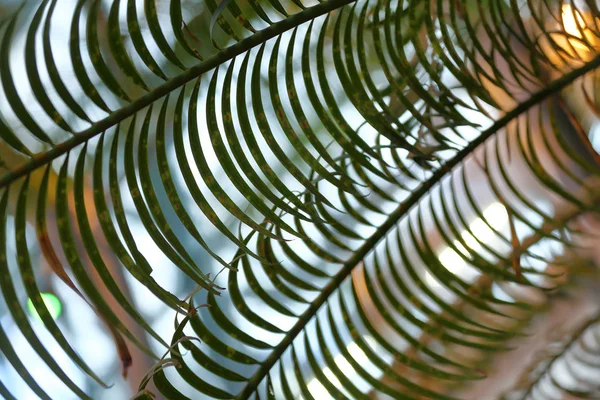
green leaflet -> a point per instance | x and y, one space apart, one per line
221 319
178 256
33 291
138 40
227 164
69 247
93 251
136 265
32 72
118 47
52 69
19 316
93 44
4 392
187 373
78 66
9 85
239 155
157 34
9 352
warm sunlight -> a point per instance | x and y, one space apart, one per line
574 25
580 35
572 21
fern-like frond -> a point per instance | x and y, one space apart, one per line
352 142
569 367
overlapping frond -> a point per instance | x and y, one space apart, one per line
569 367
358 145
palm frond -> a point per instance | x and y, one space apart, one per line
576 356
353 142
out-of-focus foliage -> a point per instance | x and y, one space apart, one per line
569 367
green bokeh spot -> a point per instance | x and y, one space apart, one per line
52 303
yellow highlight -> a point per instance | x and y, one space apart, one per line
574 40
574 25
